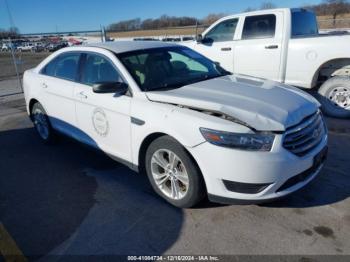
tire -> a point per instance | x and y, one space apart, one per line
334 95
188 194
42 124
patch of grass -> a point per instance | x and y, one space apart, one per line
160 32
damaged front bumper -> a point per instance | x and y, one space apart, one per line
237 176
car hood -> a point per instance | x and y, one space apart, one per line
261 104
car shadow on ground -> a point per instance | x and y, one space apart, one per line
69 199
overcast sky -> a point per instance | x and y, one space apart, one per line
32 16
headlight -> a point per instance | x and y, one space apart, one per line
253 142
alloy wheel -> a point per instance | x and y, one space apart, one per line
169 174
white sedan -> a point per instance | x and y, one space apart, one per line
194 128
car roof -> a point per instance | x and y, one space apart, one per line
128 46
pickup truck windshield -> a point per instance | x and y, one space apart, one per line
304 23
169 67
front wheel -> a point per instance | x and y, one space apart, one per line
335 96
173 174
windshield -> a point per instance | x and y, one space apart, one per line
169 67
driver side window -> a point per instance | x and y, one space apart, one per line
223 31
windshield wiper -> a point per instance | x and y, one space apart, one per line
167 86
207 77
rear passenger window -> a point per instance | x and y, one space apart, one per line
304 23
260 26
65 66
98 69
49 69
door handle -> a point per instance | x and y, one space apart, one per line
44 85
271 47
226 49
82 95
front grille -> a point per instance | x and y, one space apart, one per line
305 136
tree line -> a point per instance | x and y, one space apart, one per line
326 7
333 8
164 21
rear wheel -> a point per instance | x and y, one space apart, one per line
42 124
173 174
335 97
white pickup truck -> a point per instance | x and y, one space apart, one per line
26 47
283 45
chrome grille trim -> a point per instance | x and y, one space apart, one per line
305 136
292 137
305 122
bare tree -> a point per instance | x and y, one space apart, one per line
12 32
126 25
267 5
263 6
337 7
162 22
211 18
249 9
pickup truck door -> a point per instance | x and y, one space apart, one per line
103 118
218 43
258 52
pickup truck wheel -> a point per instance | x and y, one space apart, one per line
173 174
42 123
335 97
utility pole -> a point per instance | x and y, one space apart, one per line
12 47
15 64
103 34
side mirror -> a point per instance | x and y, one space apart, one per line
199 38
204 40
119 88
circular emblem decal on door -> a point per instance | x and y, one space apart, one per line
100 122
